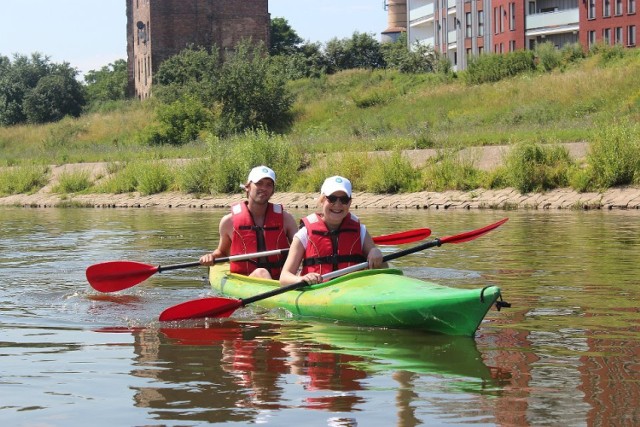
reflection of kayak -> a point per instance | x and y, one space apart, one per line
370 349
380 298
399 349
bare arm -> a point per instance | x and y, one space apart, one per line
290 226
373 253
292 264
225 230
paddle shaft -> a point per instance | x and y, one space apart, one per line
231 258
340 272
395 238
223 307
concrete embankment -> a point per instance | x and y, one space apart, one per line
619 198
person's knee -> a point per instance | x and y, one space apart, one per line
261 273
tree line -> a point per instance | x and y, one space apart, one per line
245 90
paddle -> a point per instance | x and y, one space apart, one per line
224 307
115 276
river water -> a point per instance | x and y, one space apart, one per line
567 353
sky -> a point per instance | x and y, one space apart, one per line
89 34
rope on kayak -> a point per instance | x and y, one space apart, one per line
500 303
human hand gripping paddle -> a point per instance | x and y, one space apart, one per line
224 307
115 276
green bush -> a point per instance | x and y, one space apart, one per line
178 123
233 158
73 182
614 155
548 56
537 167
390 174
23 179
495 67
448 171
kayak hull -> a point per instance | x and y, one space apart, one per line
373 298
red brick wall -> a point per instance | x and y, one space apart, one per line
172 25
600 22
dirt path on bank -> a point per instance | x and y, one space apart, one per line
484 158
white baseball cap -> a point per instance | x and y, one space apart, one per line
260 172
336 183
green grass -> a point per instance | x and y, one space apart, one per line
596 100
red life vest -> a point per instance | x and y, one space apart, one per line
328 251
249 238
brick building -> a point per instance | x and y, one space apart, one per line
159 29
464 28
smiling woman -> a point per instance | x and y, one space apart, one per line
331 239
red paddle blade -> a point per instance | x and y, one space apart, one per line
199 308
402 237
470 235
115 276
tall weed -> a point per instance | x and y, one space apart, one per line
23 179
614 155
537 167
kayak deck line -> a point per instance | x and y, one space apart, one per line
372 298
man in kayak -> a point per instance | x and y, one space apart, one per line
255 225
330 240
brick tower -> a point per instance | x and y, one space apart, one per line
159 29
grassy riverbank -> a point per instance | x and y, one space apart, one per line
356 112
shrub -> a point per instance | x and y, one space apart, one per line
548 56
537 167
73 182
392 174
494 67
23 179
178 123
614 155
448 171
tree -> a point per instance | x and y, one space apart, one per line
284 39
55 96
419 59
252 91
192 72
107 84
362 50
33 89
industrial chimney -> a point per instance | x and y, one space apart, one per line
396 20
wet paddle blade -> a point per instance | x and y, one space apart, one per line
115 276
409 236
200 308
473 234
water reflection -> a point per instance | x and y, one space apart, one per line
239 371
566 353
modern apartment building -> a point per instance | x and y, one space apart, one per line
465 28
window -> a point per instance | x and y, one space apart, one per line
480 50
532 8
631 7
618 7
512 16
502 12
591 39
606 8
618 36
496 16
631 35
468 53
512 45
467 24
606 36
592 9
481 24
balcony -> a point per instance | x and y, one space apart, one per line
421 14
562 21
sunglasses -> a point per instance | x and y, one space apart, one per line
343 199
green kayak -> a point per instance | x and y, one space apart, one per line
379 298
